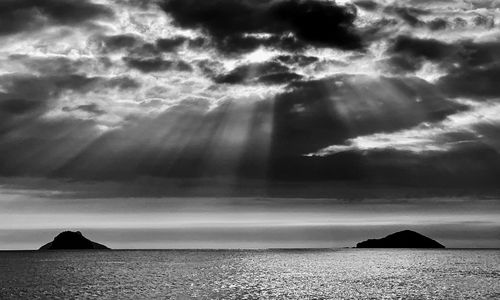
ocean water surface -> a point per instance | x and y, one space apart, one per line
251 274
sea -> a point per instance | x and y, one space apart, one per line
251 274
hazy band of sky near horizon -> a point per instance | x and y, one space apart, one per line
29 219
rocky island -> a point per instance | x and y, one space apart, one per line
69 240
401 239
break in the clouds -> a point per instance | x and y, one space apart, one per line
237 91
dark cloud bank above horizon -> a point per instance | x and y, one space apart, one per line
361 93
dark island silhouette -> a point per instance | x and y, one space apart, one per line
69 240
401 239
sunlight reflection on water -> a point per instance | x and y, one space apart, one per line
320 274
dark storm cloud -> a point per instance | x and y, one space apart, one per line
408 14
317 23
239 44
315 114
438 24
486 21
279 78
121 41
49 139
408 17
411 15
25 15
472 82
460 22
119 82
130 44
168 45
388 103
430 49
378 30
190 140
41 89
17 106
136 46
299 60
148 65
469 165
465 53
172 44
267 72
278 70
471 67
477 55
18 101
401 64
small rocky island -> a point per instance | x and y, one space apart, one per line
401 239
69 240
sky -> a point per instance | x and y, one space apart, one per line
249 123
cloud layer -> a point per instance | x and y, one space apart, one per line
237 91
